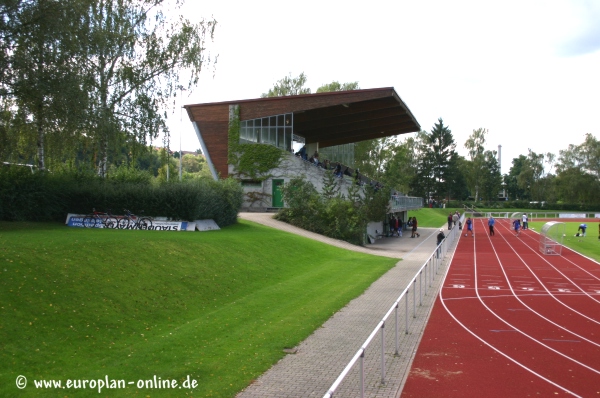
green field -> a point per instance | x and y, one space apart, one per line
588 246
218 307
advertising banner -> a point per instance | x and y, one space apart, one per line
76 220
572 215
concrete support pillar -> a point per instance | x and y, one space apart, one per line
311 148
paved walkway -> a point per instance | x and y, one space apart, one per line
321 358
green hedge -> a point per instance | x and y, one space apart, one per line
47 197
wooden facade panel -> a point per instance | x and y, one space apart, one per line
296 103
208 113
355 108
216 140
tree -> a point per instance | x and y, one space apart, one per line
458 169
45 82
475 145
9 28
591 155
575 186
514 189
400 168
433 153
331 187
492 179
585 157
442 147
288 86
371 156
578 172
336 86
85 73
137 59
422 183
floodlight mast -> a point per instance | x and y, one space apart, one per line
180 133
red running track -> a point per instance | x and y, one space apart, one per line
510 321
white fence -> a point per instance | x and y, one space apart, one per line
425 276
402 203
533 215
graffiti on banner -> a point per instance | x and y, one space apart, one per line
76 220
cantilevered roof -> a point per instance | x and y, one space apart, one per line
332 118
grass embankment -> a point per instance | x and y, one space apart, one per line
218 306
588 246
432 217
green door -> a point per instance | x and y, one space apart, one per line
277 195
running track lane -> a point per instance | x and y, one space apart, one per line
511 322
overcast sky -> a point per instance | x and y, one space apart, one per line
528 71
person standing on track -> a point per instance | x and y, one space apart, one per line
469 223
517 225
491 223
525 221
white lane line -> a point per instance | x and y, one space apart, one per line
523 366
546 288
516 296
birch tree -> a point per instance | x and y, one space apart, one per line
139 59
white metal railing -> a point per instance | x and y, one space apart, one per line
427 272
531 214
398 203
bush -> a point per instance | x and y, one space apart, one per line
332 216
50 197
124 173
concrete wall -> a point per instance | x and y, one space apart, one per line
291 167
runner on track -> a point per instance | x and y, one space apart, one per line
469 223
517 225
491 223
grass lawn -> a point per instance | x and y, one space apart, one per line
434 217
216 306
588 246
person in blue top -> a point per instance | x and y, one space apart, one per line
469 223
582 228
517 225
491 223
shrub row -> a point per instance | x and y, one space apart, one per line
48 197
